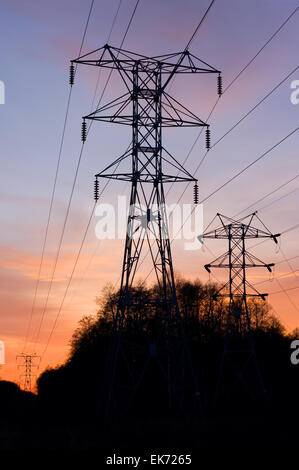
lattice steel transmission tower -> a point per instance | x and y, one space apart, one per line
27 363
239 351
147 108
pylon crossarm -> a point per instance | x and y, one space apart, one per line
121 66
173 116
175 164
218 262
118 102
179 109
148 176
116 162
239 229
255 262
236 233
240 265
169 63
254 292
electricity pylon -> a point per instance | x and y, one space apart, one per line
239 350
27 363
147 108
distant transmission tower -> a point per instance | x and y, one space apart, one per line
27 364
147 108
239 364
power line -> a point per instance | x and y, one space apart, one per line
235 79
280 249
285 260
111 71
290 229
191 39
199 25
186 48
54 188
257 105
269 194
91 214
294 272
74 268
274 34
276 278
246 115
69 282
207 120
262 48
225 134
68 207
282 276
108 40
147 120
239 173
288 259
238 289
285 231
86 26
284 290
239 122
59 246
279 199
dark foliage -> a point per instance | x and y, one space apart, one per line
15 403
76 384
64 413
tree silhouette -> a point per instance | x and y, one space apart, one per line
63 414
75 385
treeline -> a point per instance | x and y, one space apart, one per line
72 390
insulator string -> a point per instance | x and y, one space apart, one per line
83 135
72 74
195 193
219 85
96 189
208 138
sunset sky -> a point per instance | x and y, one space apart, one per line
38 40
